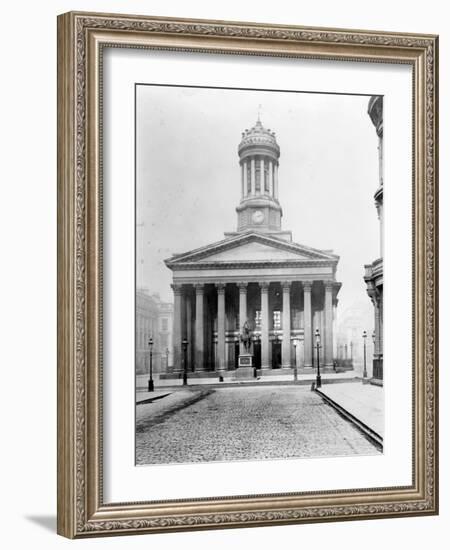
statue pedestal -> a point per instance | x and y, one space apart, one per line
245 360
245 369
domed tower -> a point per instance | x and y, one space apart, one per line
259 209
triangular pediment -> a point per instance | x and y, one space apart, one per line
251 247
252 251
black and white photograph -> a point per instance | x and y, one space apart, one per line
223 240
259 274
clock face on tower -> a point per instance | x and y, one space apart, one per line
258 216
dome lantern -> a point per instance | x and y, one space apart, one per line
259 152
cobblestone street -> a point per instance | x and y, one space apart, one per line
243 423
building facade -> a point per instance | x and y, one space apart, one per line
154 319
257 275
374 271
350 340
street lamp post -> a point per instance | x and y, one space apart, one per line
364 335
167 359
151 386
185 346
256 340
318 378
295 360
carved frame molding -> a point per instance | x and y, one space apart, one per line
81 37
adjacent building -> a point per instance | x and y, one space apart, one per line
374 271
350 339
154 319
257 275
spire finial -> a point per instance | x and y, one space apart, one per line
259 113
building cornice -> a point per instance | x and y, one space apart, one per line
245 238
181 266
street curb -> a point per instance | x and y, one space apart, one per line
306 382
198 395
151 399
372 435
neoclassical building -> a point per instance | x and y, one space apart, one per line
256 274
374 271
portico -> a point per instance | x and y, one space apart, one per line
283 303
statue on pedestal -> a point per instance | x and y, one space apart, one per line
246 336
245 364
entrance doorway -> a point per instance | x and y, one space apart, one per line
276 355
236 355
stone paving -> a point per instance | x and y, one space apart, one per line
243 423
365 401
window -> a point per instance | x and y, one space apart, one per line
257 175
163 341
276 319
258 319
249 178
164 324
266 176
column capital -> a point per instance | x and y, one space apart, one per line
374 295
199 288
220 288
286 285
307 286
177 288
264 286
328 285
242 287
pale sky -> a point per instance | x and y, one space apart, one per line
188 175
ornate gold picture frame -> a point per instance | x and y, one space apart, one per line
82 41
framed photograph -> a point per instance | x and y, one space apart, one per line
247 284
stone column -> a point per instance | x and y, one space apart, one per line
263 176
286 345
199 327
242 180
335 349
271 178
245 182
220 326
378 344
242 311
380 322
188 329
177 317
379 206
328 323
253 175
377 327
264 325
307 285
275 181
